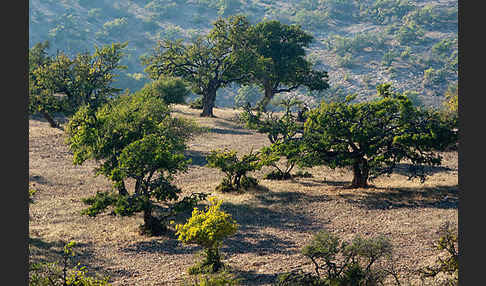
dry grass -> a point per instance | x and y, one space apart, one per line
275 220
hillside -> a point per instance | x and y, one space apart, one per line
412 44
275 220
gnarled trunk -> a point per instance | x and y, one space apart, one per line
208 101
120 186
262 104
360 174
49 119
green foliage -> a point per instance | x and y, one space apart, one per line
283 132
385 11
132 137
197 103
52 274
446 267
31 195
356 43
433 77
410 33
247 94
208 229
373 137
85 79
206 63
235 169
170 90
280 64
347 263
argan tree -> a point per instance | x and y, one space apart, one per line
132 137
281 65
374 137
208 63
85 79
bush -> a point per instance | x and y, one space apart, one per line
208 229
197 103
51 274
234 168
347 263
169 89
446 268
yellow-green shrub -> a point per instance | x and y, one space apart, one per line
207 228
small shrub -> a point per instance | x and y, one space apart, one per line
50 274
234 168
208 229
197 103
169 89
347 263
446 268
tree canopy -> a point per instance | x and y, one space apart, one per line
85 79
374 137
208 62
132 137
283 66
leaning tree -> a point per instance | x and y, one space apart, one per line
280 65
208 63
374 137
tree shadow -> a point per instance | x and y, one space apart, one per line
440 197
252 278
403 169
38 179
41 251
169 246
198 158
323 183
227 131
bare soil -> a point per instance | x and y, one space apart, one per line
276 220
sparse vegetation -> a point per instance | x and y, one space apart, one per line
157 164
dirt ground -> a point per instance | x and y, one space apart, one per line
275 221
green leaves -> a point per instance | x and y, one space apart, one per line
64 84
377 134
235 168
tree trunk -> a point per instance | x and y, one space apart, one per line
262 104
360 172
120 186
208 102
49 119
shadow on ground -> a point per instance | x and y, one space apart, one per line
198 158
403 169
41 251
228 131
254 278
441 197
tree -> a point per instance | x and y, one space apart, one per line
373 137
133 137
280 65
208 63
41 101
82 80
208 229
171 90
